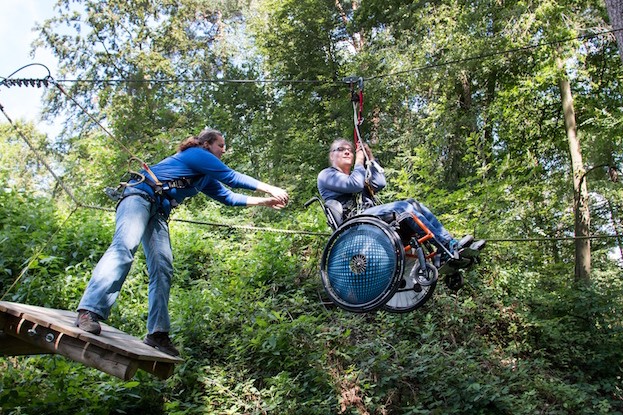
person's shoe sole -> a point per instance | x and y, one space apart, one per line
170 352
478 245
473 250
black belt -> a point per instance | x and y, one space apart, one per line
182 183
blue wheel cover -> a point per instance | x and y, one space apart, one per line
361 264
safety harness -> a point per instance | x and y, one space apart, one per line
160 188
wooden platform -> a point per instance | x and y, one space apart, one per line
27 329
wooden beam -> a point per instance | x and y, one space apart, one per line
52 341
26 329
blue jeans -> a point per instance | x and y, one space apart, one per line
423 213
137 220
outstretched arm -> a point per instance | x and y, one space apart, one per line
217 191
279 197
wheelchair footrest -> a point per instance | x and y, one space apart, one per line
452 265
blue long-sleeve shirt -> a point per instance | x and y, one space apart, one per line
206 173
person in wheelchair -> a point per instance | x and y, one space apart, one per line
348 190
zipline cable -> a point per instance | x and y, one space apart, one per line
241 227
357 115
373 77
8 81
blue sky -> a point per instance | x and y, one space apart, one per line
17 20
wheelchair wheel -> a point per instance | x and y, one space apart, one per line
411 295
362 264
455 281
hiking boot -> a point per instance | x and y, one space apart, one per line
465 241
473 250
478 245
88 321
160 340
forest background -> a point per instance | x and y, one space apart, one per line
504 117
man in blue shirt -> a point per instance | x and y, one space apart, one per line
142 217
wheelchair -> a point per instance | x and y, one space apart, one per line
372 263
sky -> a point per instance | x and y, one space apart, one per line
17 20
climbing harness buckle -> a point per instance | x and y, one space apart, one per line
113 194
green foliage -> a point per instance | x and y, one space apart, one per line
20 166
474 133
255 338
54 385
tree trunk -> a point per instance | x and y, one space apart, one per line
615 225
488 136
464 124
615 13
580 192
356 39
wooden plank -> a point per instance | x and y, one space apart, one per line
110 338
26 329
159 369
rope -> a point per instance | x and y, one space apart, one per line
549 239
126 149
314 233
40 158
254 228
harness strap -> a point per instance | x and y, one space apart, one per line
160 187
182 183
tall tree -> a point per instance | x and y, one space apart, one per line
615 12
151 73
580 192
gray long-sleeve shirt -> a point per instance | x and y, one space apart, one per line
336 185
